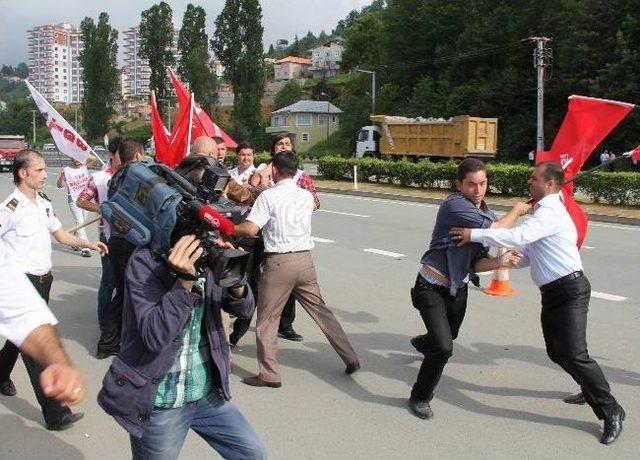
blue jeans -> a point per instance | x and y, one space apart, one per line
107 285
220 423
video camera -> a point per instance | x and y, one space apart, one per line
154 205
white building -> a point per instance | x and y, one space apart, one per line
325 60
54 66
136 69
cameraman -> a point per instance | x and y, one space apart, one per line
172 370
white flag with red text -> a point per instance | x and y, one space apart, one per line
65 137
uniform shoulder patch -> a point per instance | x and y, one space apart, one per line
44 195
12 204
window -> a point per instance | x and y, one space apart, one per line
303 119
334 119
336 53
305 137
322 120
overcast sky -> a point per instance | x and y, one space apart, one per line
281 18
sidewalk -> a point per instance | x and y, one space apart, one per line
597 212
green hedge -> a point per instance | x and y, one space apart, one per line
504 179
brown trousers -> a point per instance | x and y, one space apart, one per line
283 274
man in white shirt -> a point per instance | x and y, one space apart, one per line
548 241
74 179
284 215
26 222
604 158
245 168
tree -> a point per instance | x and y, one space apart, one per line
193 46
271 51
238 44
291 92
22 70
100 74
156 41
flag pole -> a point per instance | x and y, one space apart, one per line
596 168
190 126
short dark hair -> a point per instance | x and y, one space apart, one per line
278 138
470 165
286 162
552 171
21 161
244 145
128 150
115 145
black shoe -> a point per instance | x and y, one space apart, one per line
65 422
577 398
290 334
233 339
420 409
352 368
613 425
103 354
419 344
7 388
475 279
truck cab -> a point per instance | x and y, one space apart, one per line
9 146
368 142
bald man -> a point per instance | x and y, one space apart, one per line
206 146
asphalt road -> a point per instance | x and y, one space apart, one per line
500 396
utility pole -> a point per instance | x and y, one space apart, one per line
373 88
33 124
542 57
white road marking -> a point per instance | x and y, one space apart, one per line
381 200
321 240
605 296
382 252
342 213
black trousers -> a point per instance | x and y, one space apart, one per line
120 251
442 315
241 325
51 409
564 325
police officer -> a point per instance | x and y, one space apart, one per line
26 220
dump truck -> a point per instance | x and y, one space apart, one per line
457 137
9 146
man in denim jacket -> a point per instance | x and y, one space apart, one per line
172 371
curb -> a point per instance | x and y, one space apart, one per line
498 207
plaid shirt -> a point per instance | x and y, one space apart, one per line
305 182
189 378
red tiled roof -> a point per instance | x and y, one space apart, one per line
294 59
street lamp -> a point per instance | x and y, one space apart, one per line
373 88
328 107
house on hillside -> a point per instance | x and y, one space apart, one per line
308 121
291 67
325 60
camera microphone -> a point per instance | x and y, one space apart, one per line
213 218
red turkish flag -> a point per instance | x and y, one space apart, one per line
171 147
587 122
158 130
202 124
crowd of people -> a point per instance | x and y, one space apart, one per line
166 323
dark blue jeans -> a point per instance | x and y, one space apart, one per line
220 423
107 285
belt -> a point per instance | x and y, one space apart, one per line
288 252
436 275
560 281
39 278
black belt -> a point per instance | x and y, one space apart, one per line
40 278
288 252
560 281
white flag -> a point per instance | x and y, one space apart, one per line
66 138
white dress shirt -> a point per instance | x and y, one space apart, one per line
25 229
243 177
21 307
547 239
284 213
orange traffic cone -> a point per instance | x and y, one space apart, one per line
500 284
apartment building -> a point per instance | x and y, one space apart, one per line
136 69
53 58
325 60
